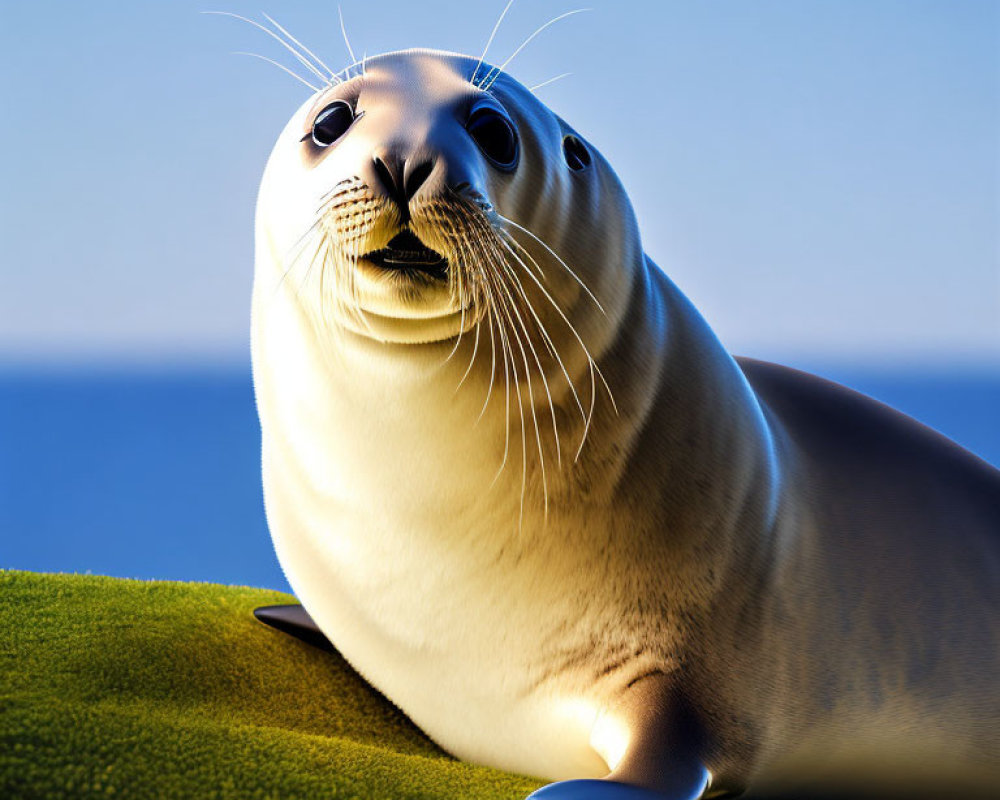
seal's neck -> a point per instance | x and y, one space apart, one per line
691 429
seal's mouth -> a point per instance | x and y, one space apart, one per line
405 253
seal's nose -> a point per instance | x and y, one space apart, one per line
402 178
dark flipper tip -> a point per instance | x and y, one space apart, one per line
295 621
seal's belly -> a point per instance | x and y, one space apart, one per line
455 646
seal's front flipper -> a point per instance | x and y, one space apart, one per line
295 621
654 741
590 789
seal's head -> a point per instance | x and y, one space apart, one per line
430 191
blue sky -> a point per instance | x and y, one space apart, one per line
821 178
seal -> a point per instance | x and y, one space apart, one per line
518 483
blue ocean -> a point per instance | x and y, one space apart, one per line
156 474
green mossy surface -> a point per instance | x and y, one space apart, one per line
135 689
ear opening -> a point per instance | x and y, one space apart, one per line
576 153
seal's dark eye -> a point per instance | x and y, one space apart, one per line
576 154
332 122
495 135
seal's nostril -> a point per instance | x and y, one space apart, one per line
400 179
417 176
386 176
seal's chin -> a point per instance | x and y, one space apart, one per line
411 330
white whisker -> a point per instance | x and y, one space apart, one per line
346 71
531 395
564 265
505 349
550 80
592 363
520 411
306 50
550 347
489 41
299 245
298 56
282 67
343 30
455 285
472 358
547 338
493 358
526 42
502 262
